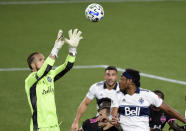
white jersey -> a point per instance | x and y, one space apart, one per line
134 109
99 91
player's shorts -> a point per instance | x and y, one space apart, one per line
54 128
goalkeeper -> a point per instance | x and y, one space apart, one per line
39 85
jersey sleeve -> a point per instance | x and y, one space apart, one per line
92 92
154 99
64 68
36 76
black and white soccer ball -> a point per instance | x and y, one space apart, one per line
94 12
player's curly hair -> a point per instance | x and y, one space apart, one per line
135 76
31 58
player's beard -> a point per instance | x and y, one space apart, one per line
126 89
123 87
112 85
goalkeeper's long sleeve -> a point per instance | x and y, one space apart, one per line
46 67
64 68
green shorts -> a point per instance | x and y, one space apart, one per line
54 128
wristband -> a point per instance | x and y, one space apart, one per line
54 52
73 51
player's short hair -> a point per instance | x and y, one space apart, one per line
159 93
105 103
111 68
31 58
132 74
106 99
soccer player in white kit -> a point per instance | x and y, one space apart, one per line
131 107
103 89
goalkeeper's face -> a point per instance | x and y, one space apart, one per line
38 61
110 77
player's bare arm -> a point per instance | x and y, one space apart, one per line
169 110
173 125
82 108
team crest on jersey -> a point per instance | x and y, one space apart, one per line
49 79
163 118
141 101
124 100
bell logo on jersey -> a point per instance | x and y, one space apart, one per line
130 110
134 111
49 90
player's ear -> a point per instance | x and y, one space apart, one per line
105 76
33 66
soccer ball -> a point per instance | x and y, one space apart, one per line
94 12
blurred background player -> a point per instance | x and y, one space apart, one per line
159 118
103 89
39 85
132 104
100 122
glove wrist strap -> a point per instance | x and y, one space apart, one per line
54 52
73 51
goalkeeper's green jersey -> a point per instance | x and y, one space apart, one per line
39 88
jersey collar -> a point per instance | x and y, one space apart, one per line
137 91
115 87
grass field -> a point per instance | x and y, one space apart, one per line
148 36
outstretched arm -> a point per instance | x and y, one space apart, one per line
169 110
49 62
73 42
64 68
82 108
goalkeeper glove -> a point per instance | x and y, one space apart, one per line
58 43
73 41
